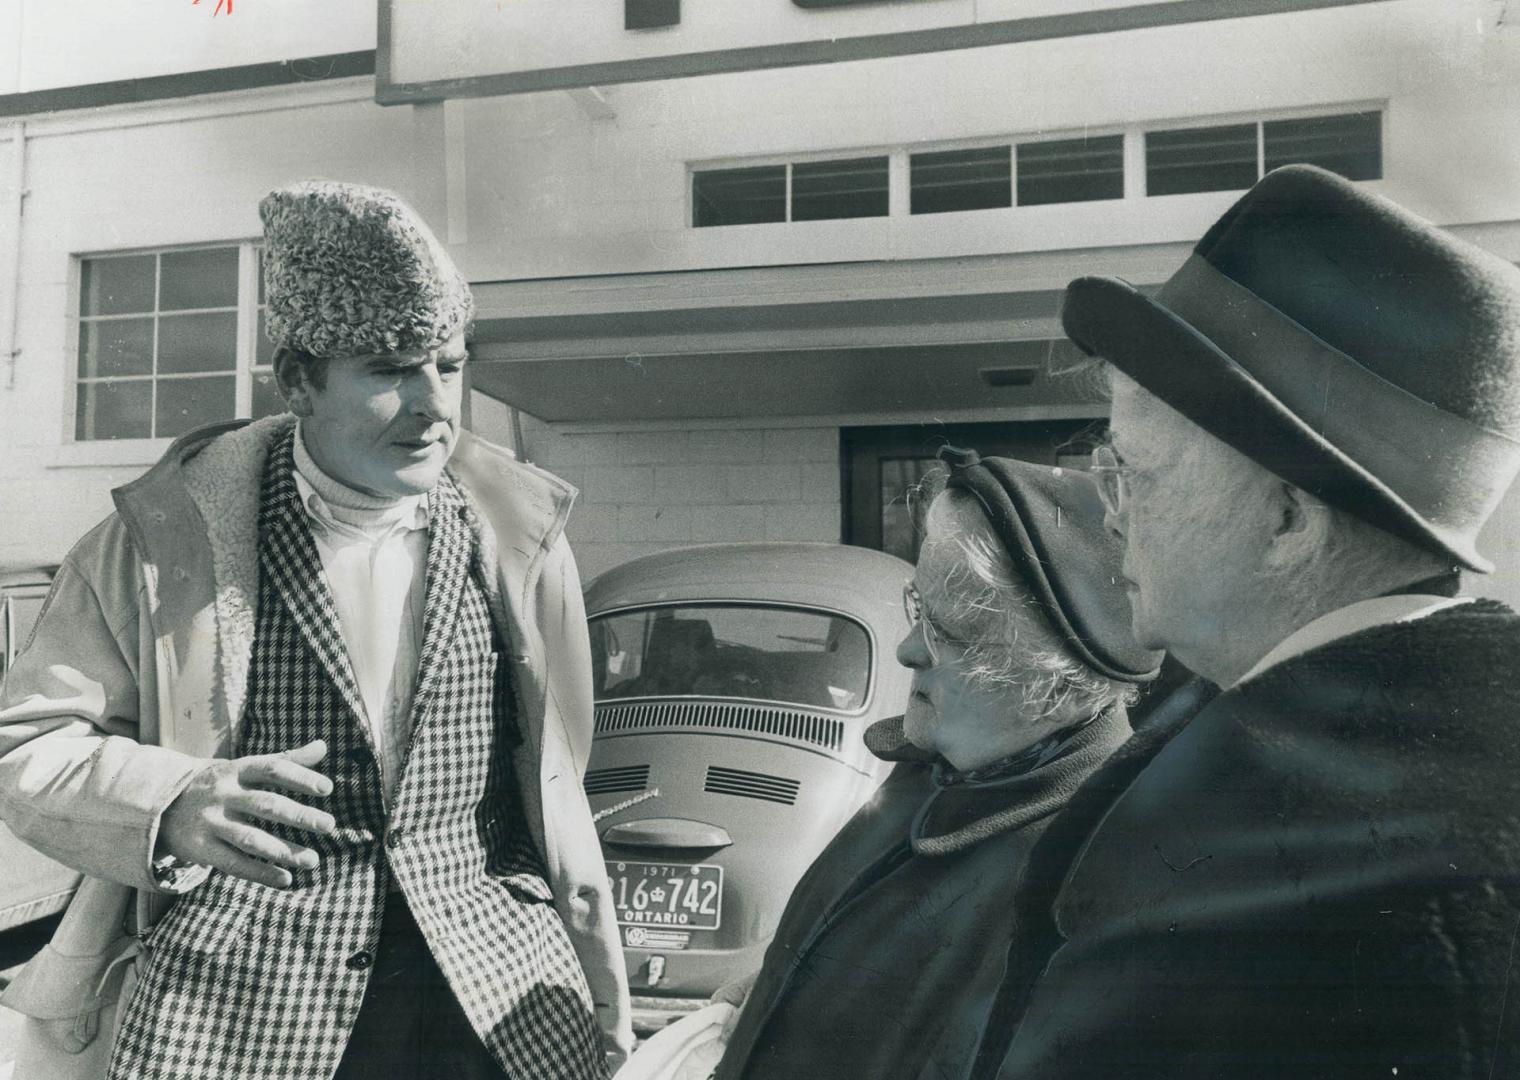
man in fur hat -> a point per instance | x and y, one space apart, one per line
322 681
1318 873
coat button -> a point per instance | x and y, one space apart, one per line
360 960
393 839
360 755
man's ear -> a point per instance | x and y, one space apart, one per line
1300 526
1296 511
293 382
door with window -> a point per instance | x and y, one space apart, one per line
886 469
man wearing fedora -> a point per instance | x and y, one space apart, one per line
311 710
1317 872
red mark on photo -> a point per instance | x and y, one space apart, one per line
220 4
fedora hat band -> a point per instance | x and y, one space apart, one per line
1448 469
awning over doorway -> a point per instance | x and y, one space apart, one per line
791 341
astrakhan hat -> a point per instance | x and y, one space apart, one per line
351 270
1350 347
1050 522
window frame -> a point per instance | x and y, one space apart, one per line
724 600
785 163
1260 121
1132 136
122 451
865 447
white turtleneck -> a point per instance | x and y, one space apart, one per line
374 555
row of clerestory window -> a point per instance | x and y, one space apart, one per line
1038 172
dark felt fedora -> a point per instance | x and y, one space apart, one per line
1352 348
1050 521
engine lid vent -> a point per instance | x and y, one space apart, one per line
751 785
793 724
622 778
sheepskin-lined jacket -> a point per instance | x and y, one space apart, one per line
138 671
1318 876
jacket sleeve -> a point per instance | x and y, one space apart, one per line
74 782
600 952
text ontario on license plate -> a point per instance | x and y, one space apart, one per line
666 894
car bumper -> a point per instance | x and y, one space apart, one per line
650 1014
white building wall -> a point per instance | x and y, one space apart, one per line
150 177
542 186
45 44
645 491
555 190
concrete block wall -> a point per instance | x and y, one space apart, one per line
646 491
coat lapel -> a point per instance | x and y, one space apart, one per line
449 562
289 556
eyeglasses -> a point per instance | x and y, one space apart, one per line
913 607
1110 474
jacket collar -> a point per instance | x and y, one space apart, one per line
193 520
962 812
1351 619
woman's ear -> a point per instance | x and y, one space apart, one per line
293 382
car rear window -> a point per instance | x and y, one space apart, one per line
783 654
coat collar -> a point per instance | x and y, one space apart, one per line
1352 619
963 812
193 520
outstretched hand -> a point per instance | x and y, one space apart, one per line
219 819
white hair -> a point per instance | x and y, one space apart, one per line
983 591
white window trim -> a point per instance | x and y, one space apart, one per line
898 204
73 452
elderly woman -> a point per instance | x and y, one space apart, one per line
892 946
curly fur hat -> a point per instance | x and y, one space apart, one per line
351 270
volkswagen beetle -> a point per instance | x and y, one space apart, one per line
733 684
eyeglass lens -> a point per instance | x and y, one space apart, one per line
1110 477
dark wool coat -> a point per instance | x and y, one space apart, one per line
881 965
1319 876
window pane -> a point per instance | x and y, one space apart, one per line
266 396
119 286
197 342
1071 170
198 279
116 347
650 14
739 196
263 349
114 410
185 404
902 506
790 655
827 190
1200 159
960 180
1351 145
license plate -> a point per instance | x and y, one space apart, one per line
667 894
